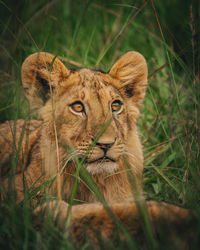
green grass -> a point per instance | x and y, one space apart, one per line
93 34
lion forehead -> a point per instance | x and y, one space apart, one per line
89 85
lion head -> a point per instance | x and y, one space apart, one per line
84 107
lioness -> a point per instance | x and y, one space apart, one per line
77 109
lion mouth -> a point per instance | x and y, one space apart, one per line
100 160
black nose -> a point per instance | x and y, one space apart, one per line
104 146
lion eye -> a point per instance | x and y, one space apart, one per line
116 106
77 107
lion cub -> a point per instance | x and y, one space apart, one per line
73 108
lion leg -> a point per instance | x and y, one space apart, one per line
95 219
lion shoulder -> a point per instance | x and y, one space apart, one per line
16 139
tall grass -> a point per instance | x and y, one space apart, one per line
93 34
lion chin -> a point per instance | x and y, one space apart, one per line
102 167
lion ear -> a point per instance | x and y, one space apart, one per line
131 71
42 72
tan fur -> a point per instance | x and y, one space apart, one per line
62 133
94 220
53 143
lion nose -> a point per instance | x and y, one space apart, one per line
105 146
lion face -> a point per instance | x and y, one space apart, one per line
88 106
85 105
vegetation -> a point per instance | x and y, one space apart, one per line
93 34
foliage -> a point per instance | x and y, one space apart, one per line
93 34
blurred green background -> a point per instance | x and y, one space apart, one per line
94 34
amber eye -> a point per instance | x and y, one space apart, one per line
77 107
116 106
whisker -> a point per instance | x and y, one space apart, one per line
129 154
67 155
68 158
